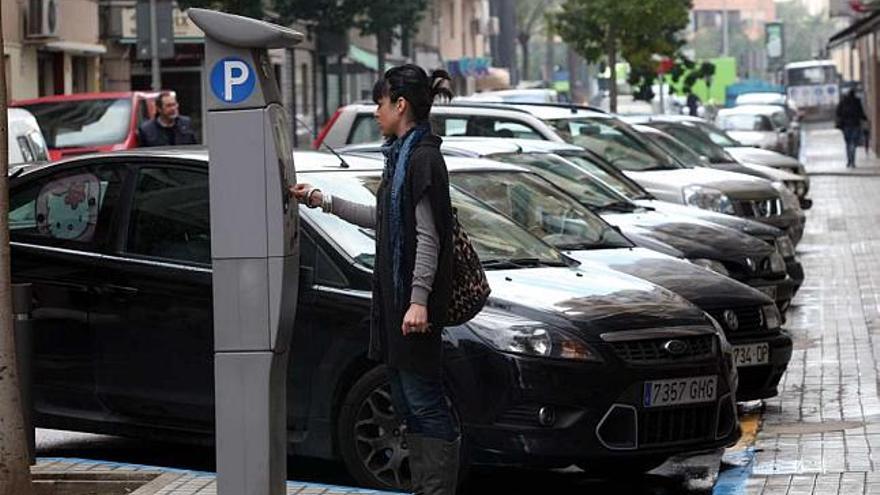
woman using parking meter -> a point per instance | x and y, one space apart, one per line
412 282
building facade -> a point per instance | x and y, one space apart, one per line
52 47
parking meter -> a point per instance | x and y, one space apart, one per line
254 249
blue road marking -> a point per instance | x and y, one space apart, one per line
733 481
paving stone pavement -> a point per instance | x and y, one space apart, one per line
821 435
172 481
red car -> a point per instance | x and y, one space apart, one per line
89 122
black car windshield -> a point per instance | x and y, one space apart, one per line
80 123
611 140
613 178
698 142
572 179
544 210
498 240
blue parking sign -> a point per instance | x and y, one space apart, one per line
232 80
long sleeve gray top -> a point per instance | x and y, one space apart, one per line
427 239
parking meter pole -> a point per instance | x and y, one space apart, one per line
24 351
254 249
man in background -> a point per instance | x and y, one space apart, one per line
168 128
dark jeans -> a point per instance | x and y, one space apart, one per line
853 137
421 402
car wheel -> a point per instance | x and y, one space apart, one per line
621 467
371 439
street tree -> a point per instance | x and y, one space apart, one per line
530 16
15 475
606 29
390 20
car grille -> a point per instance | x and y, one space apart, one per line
652 351
676 425
762 208
748 319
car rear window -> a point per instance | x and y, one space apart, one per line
81 123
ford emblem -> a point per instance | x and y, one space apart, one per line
731 320
675 347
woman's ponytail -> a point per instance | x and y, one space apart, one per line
441 85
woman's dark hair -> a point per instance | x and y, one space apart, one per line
413 84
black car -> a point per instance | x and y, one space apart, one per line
563 367
718 248
607 173
750 320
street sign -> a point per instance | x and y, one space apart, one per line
232 80
164 25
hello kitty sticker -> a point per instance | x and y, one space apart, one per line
68 208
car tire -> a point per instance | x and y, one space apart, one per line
619 468
371 440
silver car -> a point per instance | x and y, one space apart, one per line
761 126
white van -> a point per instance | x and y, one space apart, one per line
26 143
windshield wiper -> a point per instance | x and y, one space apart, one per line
622 205
520 263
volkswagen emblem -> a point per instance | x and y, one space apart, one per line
731 320
675 347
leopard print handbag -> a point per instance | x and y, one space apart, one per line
470 288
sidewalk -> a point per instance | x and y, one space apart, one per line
821 435
133 479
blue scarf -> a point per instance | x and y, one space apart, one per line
397 152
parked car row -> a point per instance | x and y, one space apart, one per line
636 297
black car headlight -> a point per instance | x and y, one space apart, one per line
517 335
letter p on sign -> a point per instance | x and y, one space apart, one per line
232 80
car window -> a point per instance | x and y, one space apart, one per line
76 123
364 130
745 122
27 154
545 211
564 174
494 236
685 154
780 120
38 146
325 270
608 139
483 126
699 142
170 215
70 208
717 136
614 179
449 126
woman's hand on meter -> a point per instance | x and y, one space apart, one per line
301 193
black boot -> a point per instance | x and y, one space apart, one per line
434 465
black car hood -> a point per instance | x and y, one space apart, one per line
695 238
744 225
589 301
703 287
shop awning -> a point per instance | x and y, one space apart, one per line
75 47
855 30
366 58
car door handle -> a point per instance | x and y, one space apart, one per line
117 290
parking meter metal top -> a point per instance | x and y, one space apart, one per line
253 222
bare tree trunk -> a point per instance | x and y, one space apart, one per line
382 47
550 55
612 68
524 46
15 475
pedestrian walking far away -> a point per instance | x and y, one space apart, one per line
412 279
168 128
851 119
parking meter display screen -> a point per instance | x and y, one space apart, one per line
281 134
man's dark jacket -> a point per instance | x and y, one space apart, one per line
152 133
850 113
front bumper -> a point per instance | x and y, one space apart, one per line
761 382
795 272
790 221
597 410
781 290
